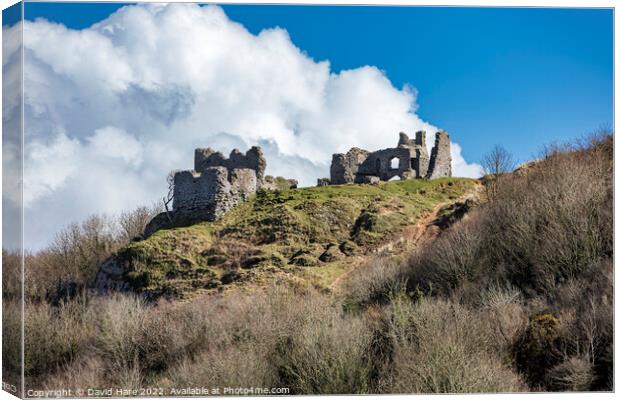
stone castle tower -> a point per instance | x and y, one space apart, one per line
216 184
408 160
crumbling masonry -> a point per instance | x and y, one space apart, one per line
217 184
214 186
409 160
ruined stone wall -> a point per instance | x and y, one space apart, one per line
421 163
345 166
413 161
278 183
440 164
253 159
380 164
196 195
208 195
419 152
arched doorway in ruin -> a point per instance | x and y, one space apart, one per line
394 163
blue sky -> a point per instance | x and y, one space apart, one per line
520 77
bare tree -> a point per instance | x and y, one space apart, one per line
169 197
496 163
132 223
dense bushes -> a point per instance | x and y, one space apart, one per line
69 264
294 338
544 227
443 347
534 266
545 237
517 295
299 340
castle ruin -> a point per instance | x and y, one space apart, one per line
214 186
217 183
408 160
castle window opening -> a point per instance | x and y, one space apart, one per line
394 162
410 159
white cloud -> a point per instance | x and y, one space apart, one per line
48 166
461 167
129 98
115 143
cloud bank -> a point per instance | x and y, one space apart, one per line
111 109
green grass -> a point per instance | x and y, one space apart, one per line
287 230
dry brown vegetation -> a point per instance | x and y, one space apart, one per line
545 240
516 296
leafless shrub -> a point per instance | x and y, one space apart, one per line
11 275
69 264
555 222
574 374
442 347
11 340
240 366
55 335
324 355
85 372
496 163
505 314
121 325
132 223
451 260
72 260
374 282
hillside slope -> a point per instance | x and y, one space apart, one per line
311 234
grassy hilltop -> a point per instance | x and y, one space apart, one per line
315 234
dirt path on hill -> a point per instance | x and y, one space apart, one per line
412 237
